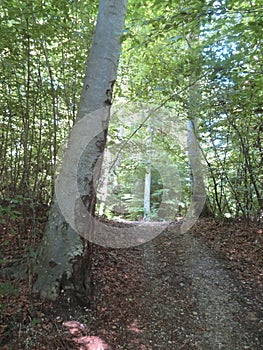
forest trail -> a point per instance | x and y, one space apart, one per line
203 304
202 290
183 296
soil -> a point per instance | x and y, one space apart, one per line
199 290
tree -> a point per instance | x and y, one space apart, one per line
199 205
147 182
230 107
43 55
64 260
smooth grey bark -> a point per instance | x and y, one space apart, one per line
147 191
199 204
64 261
147 181
194 156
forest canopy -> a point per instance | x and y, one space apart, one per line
182 63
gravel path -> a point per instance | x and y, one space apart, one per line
194 301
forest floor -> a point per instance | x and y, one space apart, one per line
202 290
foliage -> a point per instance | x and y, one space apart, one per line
165 59
130 148
169 48
7 288
42 58
8 211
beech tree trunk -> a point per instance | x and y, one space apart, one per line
199 206
64 260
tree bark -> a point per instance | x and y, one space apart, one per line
147 182
199 205
64 256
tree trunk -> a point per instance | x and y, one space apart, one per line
147 182
64 259
199 205
147 191
195 167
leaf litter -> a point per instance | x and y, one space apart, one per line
200 290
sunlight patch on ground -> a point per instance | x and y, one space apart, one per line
134 327
85 342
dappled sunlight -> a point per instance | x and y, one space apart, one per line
135 327
91 343
85 342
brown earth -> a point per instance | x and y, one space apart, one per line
200 290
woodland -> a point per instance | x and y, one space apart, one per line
155 109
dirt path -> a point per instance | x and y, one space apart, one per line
203 304
175 293
197 291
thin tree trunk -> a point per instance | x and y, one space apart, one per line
64 259
147 182
147 191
